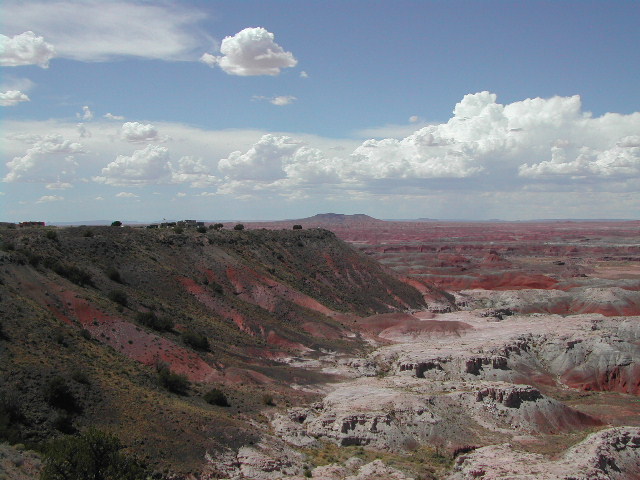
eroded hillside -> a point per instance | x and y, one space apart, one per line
99 312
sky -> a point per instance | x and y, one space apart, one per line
270 110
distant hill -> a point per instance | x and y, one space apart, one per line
338 219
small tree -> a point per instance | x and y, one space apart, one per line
202 229
93 455
218 226
119 296
174 382
297 227
59 395
196 340
216 397
117 223
114 275
239 226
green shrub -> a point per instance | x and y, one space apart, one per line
80 376
239 227
63 422
178 230
196 340
297 227
10 418
216 226
88 233
59 395
51 235
117 223
216 397
202 229
93 455
114 275
70 272
151 320
119 296
267 399
174 382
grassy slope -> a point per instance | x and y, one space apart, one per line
264 281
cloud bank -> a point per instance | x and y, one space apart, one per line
487 155
99 31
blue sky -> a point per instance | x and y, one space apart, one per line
143 110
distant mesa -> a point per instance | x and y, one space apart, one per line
339 219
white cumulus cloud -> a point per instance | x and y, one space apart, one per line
11 98
126 195
252 51
111 116
135 132
283 100
50 198
49 159
144 167
193 170
25 49
278 161
59 186
86 114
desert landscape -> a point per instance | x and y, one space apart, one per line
345 347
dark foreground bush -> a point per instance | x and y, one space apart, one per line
196 340
11 418
119 296
114 275
93 455
216 397
59 395
151 320
174 382
70 272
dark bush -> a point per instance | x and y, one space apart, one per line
10 418
59 395
267 399
178 230
93 455
114 275
8 246
119 296
174 382
71 273
217 226
151 320
63 422
80 376
117 223
52 235
196 340
202 229
84 333
297 227
216 397
88 233
239 227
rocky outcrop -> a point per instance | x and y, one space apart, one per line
612 454
399 414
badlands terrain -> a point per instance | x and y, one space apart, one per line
352 348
